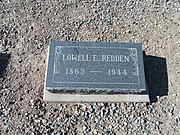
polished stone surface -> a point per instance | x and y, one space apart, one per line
95 68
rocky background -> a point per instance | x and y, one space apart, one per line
27 27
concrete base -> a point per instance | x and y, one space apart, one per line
55 97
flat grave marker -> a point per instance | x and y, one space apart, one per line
95 72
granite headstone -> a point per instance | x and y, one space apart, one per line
95 68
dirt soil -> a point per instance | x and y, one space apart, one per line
27 27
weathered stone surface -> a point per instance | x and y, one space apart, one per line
95 68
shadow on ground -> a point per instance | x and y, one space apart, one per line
156 76
4 60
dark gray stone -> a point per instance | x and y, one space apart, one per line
95 68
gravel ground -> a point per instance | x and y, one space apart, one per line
27 26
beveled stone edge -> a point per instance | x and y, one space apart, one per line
54 97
